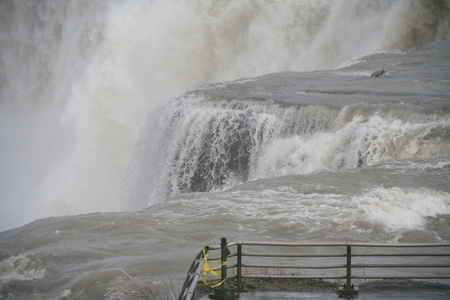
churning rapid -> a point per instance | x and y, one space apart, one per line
169 124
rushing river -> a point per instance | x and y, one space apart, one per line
275 130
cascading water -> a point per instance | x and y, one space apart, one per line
78 77
201 142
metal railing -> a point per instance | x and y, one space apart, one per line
188 289
339 261
395 263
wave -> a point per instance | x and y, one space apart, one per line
400 209
22 267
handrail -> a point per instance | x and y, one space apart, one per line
346 253
187 291
326 244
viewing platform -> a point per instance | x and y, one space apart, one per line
363 270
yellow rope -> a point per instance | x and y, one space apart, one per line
206 269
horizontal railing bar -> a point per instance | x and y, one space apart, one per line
292 255
417 245
398 254
337 244
328 277
343 266
339 266
401 277
291 244
215 248
332 277
294 267
399 266
291 277
338 255
216 280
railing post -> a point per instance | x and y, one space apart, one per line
348 289
224 257
224 290
239 265
349 266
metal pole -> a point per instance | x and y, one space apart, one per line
347 291
194 268
349 266
223 256
224 290
239 265
191 290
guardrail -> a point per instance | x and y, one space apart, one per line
188 289
342 262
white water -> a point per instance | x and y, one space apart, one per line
77 78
